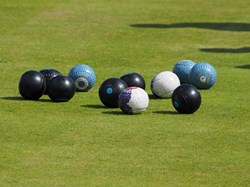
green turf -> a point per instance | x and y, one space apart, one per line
82 143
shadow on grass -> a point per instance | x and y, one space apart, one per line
13 98
246 66
156 112
166 112
44 100
227 26
120 113
18 98
94 106
113 112
152 96
227 50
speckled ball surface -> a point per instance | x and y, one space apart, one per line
182 69
203 75
133 100
83 76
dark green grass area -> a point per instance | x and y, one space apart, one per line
83 143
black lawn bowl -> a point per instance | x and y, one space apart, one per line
109 91
48 74
134 80
32 85
61 88
186 99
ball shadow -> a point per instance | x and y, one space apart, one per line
167 112
19 98
43 100
152 96
113 112
222 26
13 98
247 66
226 50
94 106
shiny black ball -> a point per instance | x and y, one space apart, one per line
48 74
109 91
186 99
32 85
134 80
61 88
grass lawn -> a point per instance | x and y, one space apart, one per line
82 143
